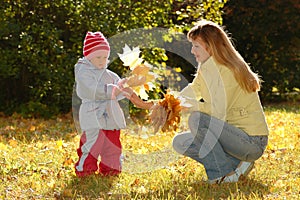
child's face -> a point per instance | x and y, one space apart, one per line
101 59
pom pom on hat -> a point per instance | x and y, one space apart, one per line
93 43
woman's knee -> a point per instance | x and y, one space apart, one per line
176 144
198 120
252 156
181 142
194 120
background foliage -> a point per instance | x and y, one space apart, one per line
40 41
268 38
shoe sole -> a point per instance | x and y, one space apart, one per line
242 176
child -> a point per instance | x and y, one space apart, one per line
100 115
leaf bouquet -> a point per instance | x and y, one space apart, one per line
167 113
140 77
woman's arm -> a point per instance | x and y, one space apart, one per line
135 99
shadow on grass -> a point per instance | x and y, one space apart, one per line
244 189
98 187
91 187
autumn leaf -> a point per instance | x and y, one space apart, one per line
141 70
68 193
60 144
140 78
173 108
68 161
2 146
13 143
136 80
9 128
32 128
130 57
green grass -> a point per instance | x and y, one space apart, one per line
37 159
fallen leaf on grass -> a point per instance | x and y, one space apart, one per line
32 128
68 161
9 128
68 193
13 143
2 146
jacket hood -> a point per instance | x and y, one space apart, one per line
84 63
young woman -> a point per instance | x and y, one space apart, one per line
228 130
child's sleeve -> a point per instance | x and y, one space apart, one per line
86 85
112 90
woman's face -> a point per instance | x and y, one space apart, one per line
101 59
199 50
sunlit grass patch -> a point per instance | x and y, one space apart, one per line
37 159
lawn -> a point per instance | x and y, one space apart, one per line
37 159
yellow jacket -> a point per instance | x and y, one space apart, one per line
216 92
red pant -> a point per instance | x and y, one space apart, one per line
95 143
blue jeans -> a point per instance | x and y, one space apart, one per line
219 146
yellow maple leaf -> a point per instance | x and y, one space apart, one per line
141 70
130 57
136 80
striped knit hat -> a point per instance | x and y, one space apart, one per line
93 43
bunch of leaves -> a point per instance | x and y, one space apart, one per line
140 78
172 107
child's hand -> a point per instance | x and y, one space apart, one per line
122 82
116 91
127 92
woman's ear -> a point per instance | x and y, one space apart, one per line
208 49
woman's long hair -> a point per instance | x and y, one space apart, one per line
222 50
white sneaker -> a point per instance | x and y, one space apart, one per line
229 178
243 169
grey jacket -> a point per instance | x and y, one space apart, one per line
99 109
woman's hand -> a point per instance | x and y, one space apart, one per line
158 116
135 99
